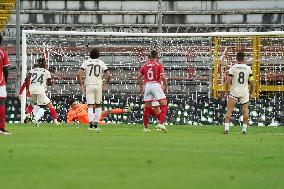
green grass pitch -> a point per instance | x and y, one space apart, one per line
123 157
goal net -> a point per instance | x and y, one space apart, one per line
195 63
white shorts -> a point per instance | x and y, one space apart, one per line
242 98
3 92
153 91
40 99
94 94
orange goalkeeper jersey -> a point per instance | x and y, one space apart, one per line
80 114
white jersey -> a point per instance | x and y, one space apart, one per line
94 70
39 77
240 74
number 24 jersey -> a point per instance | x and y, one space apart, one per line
240 74
94 70
38 79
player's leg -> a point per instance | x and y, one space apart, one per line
90 98
53 113
3 113
39 109
231 102
148 98
104 114
98 109
147 111
245 109
161 97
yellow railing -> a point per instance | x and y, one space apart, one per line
254 47
6 7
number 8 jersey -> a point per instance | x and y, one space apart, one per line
39 76
240 74
94 70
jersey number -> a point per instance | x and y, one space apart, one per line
37 78
241 78
150 74
95 69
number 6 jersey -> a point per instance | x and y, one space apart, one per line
240 74
152 71
94 70
39 76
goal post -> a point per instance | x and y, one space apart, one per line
193 61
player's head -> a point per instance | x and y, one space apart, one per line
95 53
154 54
240 56
1 38
72 104
41 63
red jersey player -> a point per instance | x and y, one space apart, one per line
153 73
4 70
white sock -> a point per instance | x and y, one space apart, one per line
98 112
227 126
39 114
36 108
91 114
245 126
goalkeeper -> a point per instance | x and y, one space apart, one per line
79 113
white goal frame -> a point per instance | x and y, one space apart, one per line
123 34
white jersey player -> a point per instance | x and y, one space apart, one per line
39 78
240 76
93 70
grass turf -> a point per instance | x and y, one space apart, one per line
122 156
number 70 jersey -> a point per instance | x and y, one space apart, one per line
240 74
39 76
94 70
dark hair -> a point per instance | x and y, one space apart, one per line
154 54
41 62
1 38
240 56
71 101
35 65
95 53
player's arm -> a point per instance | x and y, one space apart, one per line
140 82
6 72
27 80
70 118
49 80
163 78
80 78
228 82
108 76
6 64
165 81
251 85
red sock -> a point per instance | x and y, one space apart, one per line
163 114
153 113
147 111
53 113
29 109
2 116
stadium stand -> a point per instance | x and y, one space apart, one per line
141 16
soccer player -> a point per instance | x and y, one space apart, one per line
29 108
153 74
93 70
240 76
4 71
38 78
79 113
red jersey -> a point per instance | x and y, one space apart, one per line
4 61
152 71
